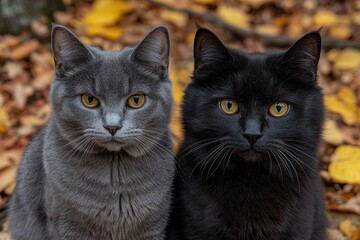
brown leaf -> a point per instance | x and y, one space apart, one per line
24 50
7 177
43 81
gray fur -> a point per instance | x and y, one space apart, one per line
72 184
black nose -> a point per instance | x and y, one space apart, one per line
112 129
252 138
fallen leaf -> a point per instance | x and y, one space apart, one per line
13 69
4 121
111 33
345 167
178 19
43 81
106 12
24 50
233 16
350 230
7 176
335 234
345 104
348 59
332 134
342 32
269 29
325 18
10 189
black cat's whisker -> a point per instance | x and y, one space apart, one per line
207 158
226 151
200 163
278 163
215 158
292 167
302 152
201 144
296 159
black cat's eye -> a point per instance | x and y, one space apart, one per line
279 109
136 101
229 106
89 100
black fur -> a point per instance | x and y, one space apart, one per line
228 188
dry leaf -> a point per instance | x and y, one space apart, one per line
233 16
24 50
345 167
111 33
269 29
342 32
334 234
351 231
7 177
348 59
106 12
179 19
345 104
332 134
43 81
4 121
325 18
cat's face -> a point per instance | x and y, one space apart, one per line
111 100
253 106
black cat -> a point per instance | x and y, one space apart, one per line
248 165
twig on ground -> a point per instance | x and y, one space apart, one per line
269 39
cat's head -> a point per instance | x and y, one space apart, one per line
111 100
256 105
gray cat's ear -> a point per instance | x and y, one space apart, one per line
68 51
153 51
209 52
303 57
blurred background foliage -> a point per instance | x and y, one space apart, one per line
26 70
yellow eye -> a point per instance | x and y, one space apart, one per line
89 101
279 109
136 101
229 106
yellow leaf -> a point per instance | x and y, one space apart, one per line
233 16
179 19
212 2
344 103
269 29
333 54
106 12
351 231
112 33
342 32
325 18
3 121
356 17
179 79
348 59
332 134
345 167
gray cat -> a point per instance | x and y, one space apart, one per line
102 167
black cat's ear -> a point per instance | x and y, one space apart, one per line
68 51
209 52
303 56
153 51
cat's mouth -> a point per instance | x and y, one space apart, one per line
251 154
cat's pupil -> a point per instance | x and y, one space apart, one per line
136 99
229 104
90 99
278 107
